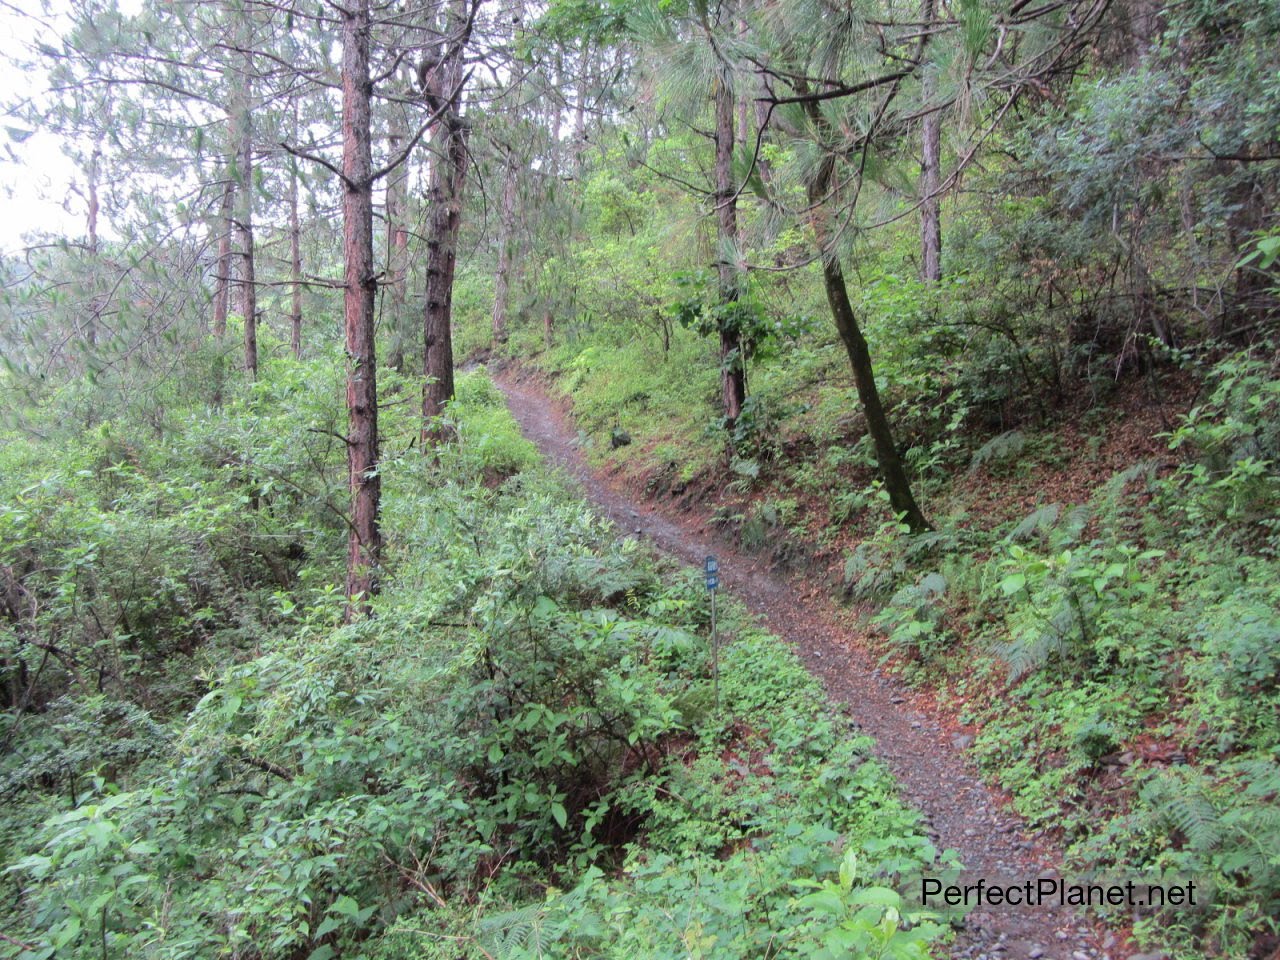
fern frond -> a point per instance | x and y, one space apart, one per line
998 449
1038 522
1181 803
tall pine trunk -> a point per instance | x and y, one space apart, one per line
222 268
364 543
397 244
448 176
506 241
732 363
244 218
557 118
580 112
95 302
891 467
448 173
507 258
930 161
545 295
295 254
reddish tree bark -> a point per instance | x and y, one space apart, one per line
364 544
447 177
397 246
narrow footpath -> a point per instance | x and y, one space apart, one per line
962 812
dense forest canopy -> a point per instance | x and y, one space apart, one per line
964 308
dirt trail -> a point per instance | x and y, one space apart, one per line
963 813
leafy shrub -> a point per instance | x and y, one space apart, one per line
527 701
792 822
1216 831
1234 437
131 563
915 616
1073 605
486 431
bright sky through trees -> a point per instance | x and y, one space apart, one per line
36 180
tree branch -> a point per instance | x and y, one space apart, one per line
841 91
403 155
303 155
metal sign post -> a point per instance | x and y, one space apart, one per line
712 568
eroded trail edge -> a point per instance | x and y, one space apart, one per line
963 813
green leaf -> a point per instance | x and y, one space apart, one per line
69 931
558 811
848 869
877 897
1013 583
327 925
824 901
345 906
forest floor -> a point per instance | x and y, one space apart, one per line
915 737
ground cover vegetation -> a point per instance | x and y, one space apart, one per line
518 755
1085 399
967 307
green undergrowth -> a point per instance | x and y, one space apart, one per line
519 755
661 400
1120 656
801 436
1116 643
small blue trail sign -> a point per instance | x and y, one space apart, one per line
712 569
